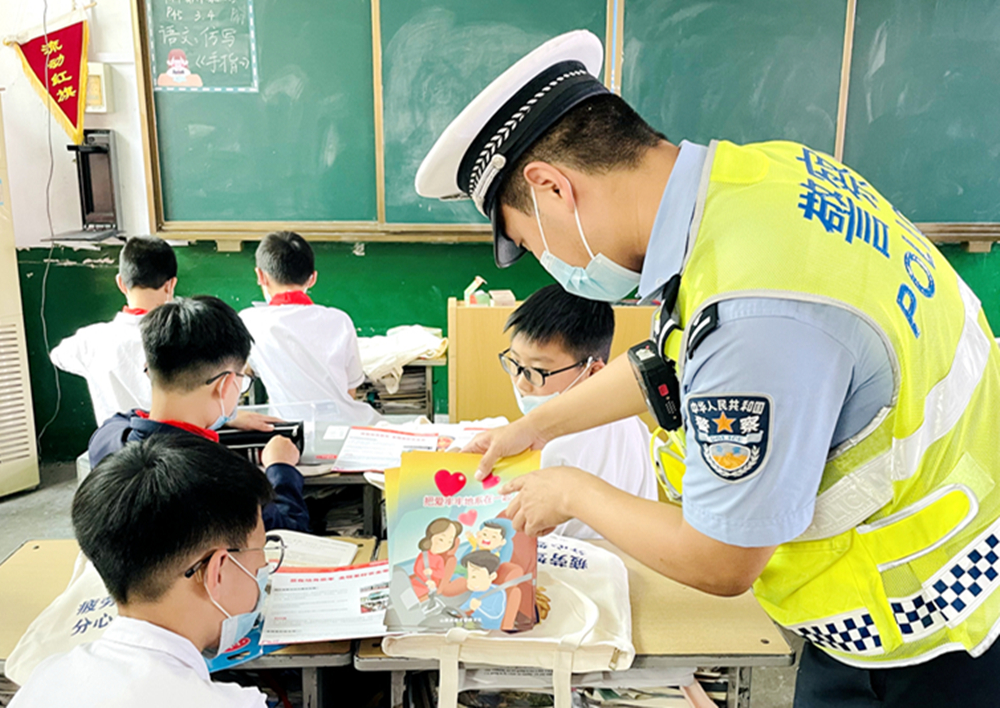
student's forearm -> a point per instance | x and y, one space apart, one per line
609 395
657 535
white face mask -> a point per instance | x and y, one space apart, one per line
602 279
235 627
530 403
224 418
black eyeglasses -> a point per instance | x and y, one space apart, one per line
536 377
246 380
274 554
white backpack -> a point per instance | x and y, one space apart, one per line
588 628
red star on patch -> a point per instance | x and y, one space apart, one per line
722 423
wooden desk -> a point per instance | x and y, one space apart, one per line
30 579
672 626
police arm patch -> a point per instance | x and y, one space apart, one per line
733 432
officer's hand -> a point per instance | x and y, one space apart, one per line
504 441
279 449
543 499
249 420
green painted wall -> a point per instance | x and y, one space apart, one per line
391 284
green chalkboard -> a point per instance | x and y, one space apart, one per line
282 125
742 70
922 116
436 56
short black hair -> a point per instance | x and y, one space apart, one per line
146 513
495 525
551 315
189 340
482 559
286 257
598 136
146 262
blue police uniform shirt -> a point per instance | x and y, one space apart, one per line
804 378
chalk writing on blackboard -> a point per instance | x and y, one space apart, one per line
202 45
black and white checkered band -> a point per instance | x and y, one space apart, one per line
851 632
478 186
516 125
953 593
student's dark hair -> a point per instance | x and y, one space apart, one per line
495 525
600 135
146 262
286 257
551 315
482 559
154 508
189 340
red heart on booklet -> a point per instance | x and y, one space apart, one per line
491 480
469 517
449 483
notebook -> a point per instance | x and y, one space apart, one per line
455 558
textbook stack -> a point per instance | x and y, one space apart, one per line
411 398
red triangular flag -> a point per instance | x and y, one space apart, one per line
55 60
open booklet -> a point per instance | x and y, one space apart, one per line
455 559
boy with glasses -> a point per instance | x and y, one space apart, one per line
173 525
196 356
558 340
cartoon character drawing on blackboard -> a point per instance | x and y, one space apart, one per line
178 73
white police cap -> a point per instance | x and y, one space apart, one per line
468 161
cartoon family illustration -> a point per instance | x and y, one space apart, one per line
476 581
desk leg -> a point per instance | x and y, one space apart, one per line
312 687
738 693
398 686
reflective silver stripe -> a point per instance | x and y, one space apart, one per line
867 489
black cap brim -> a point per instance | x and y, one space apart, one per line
505 251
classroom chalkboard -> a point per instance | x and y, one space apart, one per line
279 123
922 119
741 70
436 56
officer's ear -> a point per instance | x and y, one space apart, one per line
551 185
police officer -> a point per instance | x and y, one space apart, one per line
839 381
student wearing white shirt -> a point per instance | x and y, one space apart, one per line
173 526
302 351
557 340
109 354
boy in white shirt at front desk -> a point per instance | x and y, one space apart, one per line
186 559
556 341
302 351
109 354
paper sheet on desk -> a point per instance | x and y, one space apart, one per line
304 550
307 606
380 448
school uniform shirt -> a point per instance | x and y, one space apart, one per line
825 369
617 452
110 357
134 663
287 511
305 352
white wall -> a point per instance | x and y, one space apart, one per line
26 121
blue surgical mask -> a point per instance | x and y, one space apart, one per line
530 403
223 419
602 279
235 627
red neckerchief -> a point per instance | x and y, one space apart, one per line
134 311
194 429
291 297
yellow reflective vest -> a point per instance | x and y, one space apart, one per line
902 558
